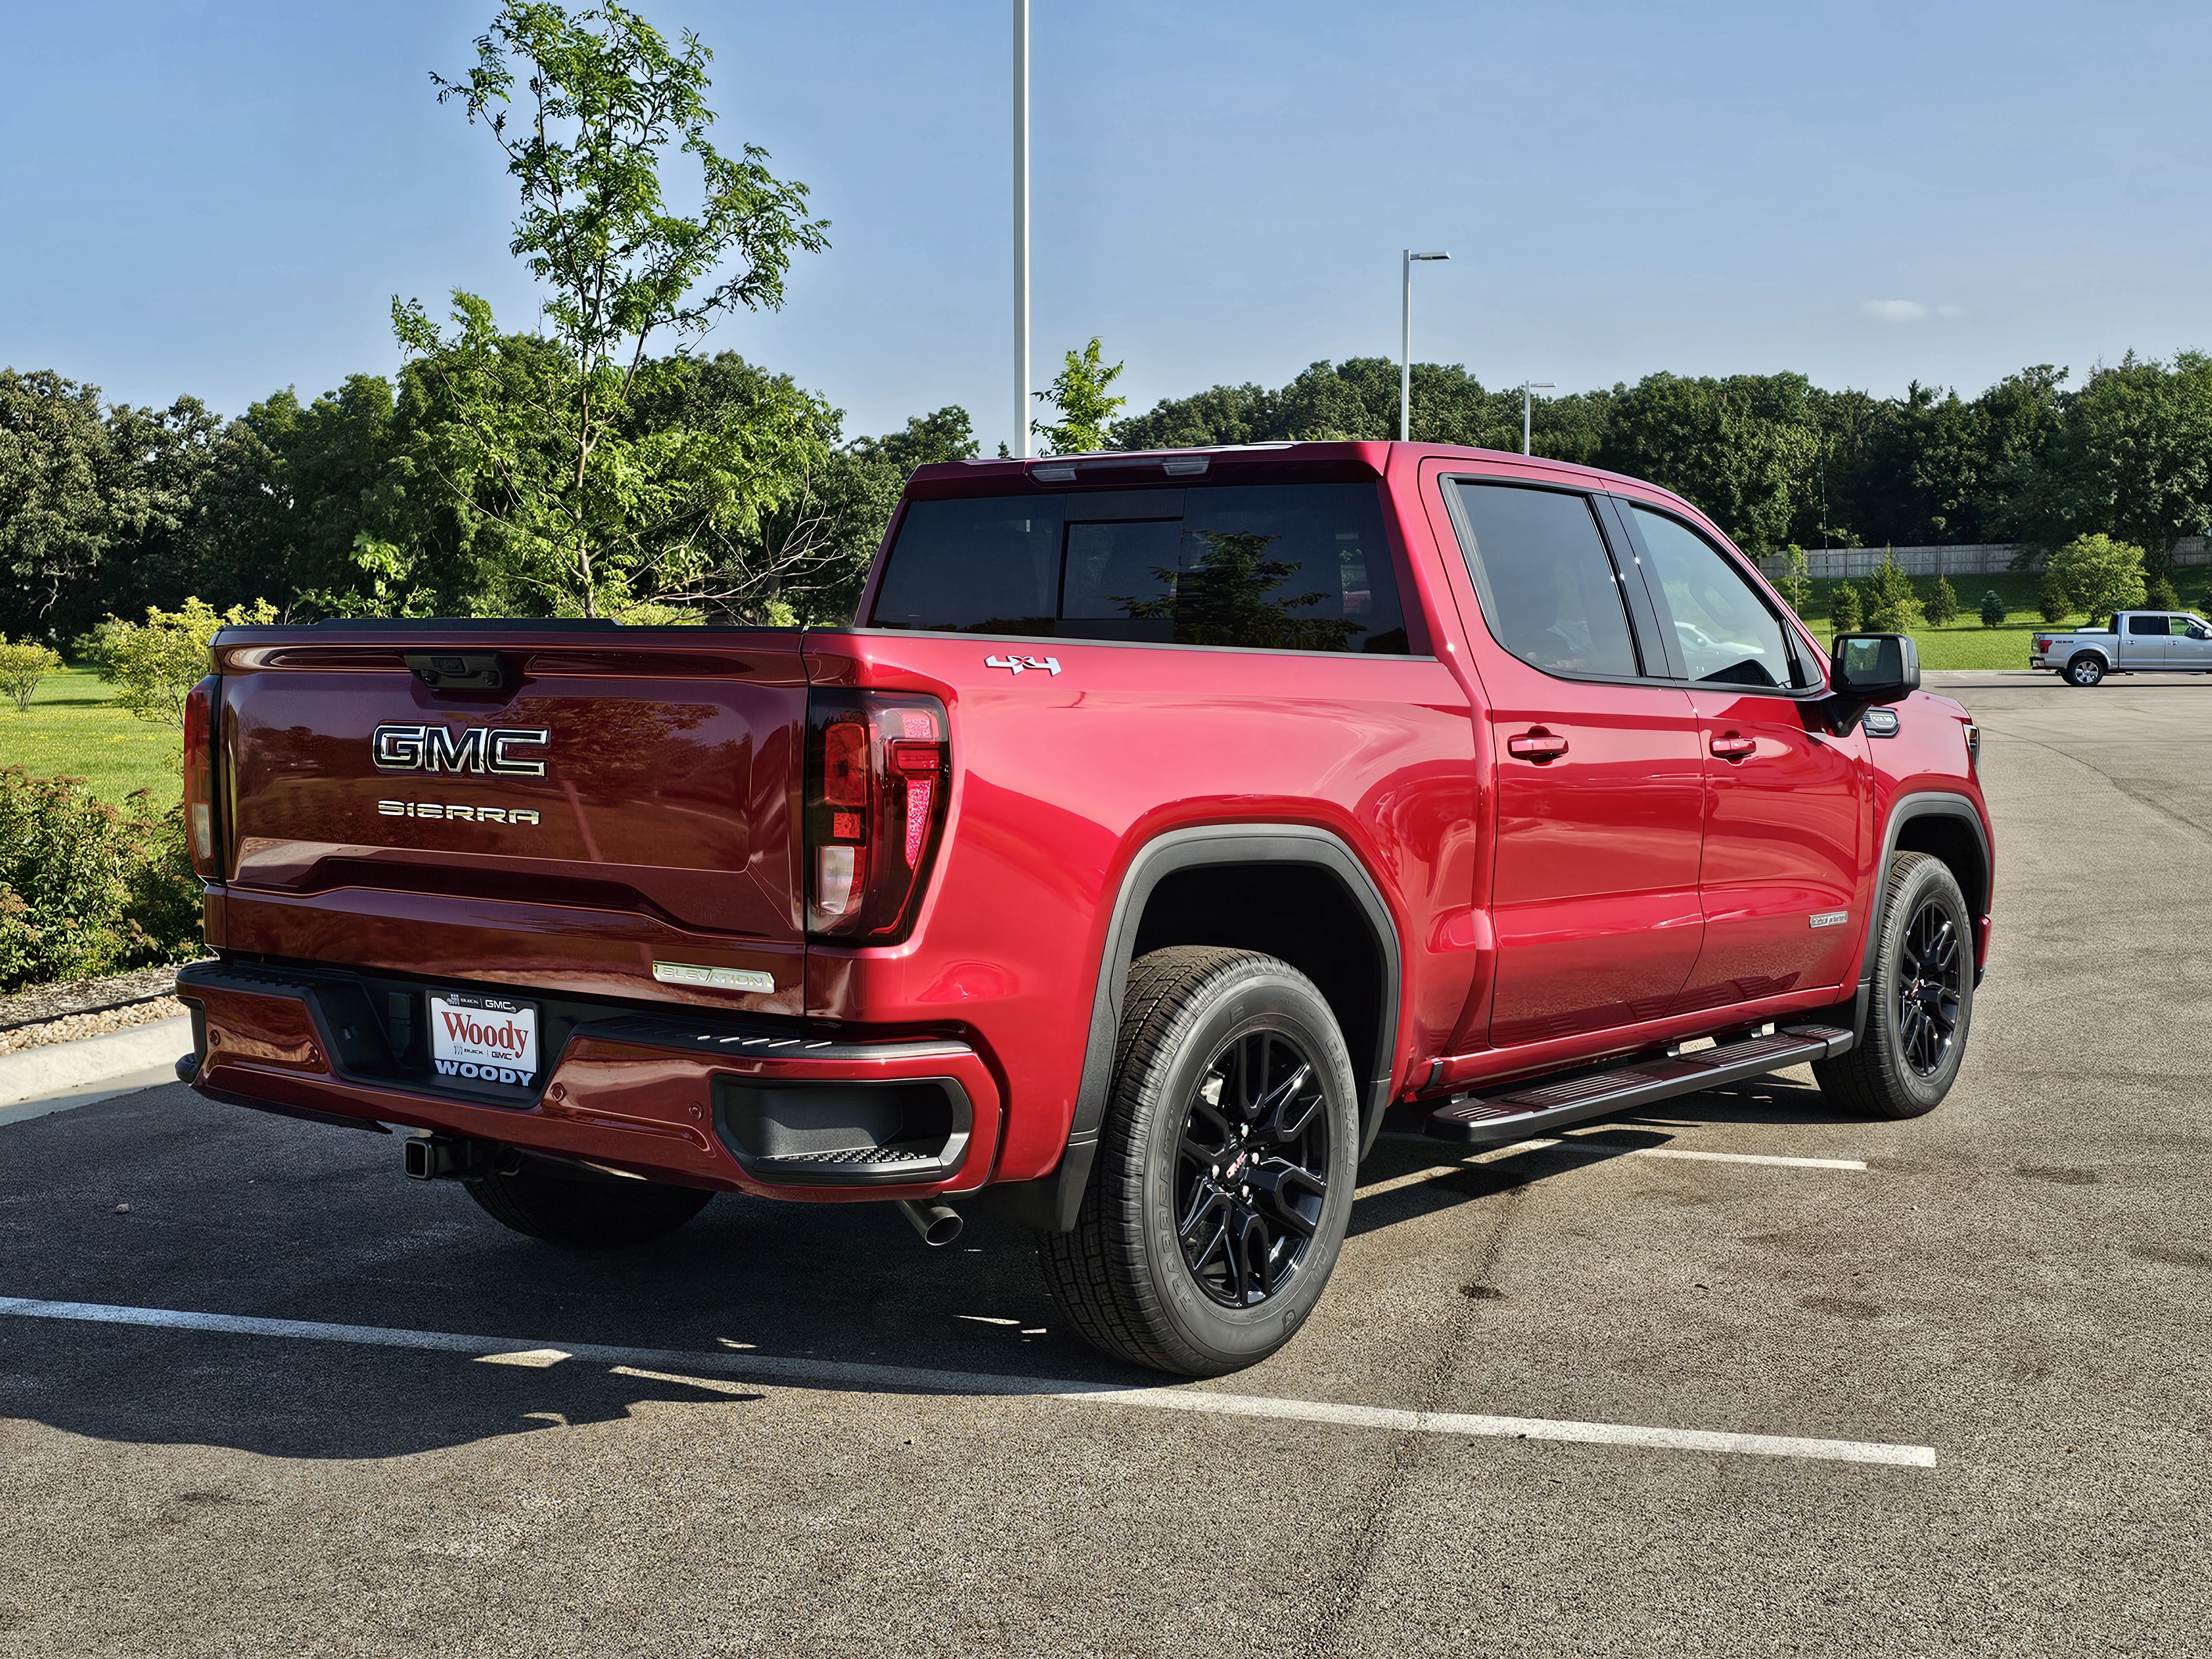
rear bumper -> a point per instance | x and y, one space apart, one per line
662 1093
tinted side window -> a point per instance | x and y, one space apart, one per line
1283 567
2146 625
986 567
1547 585
1726 634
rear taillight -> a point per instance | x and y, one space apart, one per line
203 822
876 774
2042 642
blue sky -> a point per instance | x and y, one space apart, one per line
222 199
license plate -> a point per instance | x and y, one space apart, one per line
484 1039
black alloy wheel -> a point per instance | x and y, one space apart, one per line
1921 1005
1252 1169
1221 1191
1931 970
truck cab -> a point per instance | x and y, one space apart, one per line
2138 642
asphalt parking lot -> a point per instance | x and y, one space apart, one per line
2007 1308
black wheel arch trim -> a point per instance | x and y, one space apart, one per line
1920 804
1052 1202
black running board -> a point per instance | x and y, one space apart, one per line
1500 1120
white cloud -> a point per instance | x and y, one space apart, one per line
1950 311
1892 311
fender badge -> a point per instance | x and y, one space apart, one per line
1829 918
721 979
1050 664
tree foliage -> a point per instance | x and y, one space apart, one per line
21 668
1943 603
154 663
1891 604
1082 393
536 435
2098 575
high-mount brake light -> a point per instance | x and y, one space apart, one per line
875 802
202 824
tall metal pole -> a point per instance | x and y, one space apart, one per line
1406 348
1527 387
1022 228
1406 357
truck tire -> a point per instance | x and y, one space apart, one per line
2086 668
583 1212
1923 1004
1223 1182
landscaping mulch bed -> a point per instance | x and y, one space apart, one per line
87 1007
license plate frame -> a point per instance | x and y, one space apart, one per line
482 1042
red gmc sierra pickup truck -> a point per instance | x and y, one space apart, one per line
1162 820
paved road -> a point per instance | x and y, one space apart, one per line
2022 1282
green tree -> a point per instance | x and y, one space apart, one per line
1744 450
56 516
1794 584
2132 458
1080 391
590 515
1845 613
1943 603
2098 575
1993 609
2053 603
157 661
1892 605
2163 595
23 666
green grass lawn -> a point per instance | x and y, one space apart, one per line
73 729
1966 643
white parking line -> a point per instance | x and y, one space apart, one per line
886 1378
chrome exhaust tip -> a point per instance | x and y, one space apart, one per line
939 1223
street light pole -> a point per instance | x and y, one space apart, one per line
1405 349
1022 228
1527 386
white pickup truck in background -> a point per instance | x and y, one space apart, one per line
2138 642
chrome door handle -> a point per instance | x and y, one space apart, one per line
1734 748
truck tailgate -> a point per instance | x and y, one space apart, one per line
619 817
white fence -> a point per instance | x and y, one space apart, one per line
1972 559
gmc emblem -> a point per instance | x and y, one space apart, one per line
485 749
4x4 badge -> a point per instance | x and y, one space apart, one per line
1051 665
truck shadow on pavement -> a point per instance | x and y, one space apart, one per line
165 1200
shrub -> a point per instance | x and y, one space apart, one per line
86 889
2098 575
1993 609
2162 596
157 661
1943 603
2055 606
1892 605
1794 585
23 666
1845 616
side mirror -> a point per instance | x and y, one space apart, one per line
1874 668
1865 670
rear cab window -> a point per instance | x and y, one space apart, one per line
1282 567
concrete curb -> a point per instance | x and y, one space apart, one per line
67 1069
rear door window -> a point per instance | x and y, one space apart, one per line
1275 567
1547 586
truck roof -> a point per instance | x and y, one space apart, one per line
1261 463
